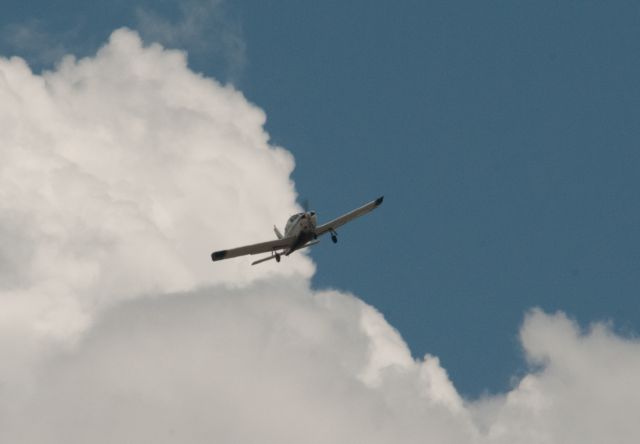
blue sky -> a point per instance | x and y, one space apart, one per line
504 137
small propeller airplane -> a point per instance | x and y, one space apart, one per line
301 231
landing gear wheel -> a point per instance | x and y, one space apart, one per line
334 238
277 258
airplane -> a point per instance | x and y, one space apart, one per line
301 231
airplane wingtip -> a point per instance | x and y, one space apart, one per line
218 255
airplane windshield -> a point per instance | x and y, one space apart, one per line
291 221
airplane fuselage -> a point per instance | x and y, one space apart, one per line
302 226
300 222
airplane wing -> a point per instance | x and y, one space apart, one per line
262 247
335 223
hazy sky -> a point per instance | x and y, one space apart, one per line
504 137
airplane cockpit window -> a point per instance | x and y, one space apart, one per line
291 221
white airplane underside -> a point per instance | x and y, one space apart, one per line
301 231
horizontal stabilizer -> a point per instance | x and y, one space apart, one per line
310 244
264 259
268 258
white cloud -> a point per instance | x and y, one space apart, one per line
587 391
119 174
273 362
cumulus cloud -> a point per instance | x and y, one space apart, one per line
273 362
586 392
119 174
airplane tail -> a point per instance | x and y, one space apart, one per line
275 230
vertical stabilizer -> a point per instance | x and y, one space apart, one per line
275 230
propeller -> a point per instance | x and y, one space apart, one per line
306 206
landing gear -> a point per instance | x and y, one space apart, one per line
334 237
277 257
